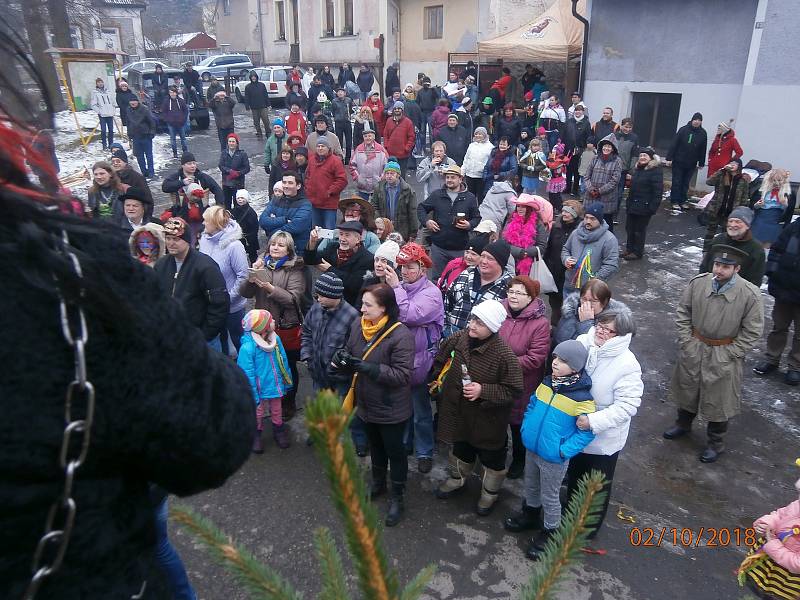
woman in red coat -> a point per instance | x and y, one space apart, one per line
399 137
724 149
325 180
376 106
527 330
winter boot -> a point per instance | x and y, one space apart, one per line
397 504
538 542
716 441
492 482
281 435
683 425
517 467
458 470
378 486
258 443
530 517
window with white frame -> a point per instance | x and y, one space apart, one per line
280 20
434 22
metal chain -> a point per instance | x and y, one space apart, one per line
79 400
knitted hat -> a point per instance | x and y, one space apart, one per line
541 130
492 313
500 250
329 285
453 116
388 250
481 130
573 353
648 150
120 154
399 105
322 140
724 126
595 209
697 116
243 194
392 166
278 121
743 214
258 321
478 243
187 157
179 228
413 252
301 150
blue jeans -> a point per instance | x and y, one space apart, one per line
233 326
681 177
143 150
169 560
177 131
419 428
106 131
323 217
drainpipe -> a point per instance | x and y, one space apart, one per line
261 33
585 49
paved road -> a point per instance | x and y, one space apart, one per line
276 500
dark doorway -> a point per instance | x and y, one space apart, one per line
655 118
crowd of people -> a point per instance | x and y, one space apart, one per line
479 316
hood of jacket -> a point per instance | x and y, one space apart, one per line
653 163
573 301
158 233
225 237
612 348
502 187
609 138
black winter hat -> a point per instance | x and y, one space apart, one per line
697 115
500 250
187 157
478 242
120 154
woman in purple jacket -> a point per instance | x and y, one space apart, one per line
174 113
422 311
527 331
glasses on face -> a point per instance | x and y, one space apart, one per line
516 293
605 329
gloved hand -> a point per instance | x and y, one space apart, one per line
233 174
341 360
371 370
595 193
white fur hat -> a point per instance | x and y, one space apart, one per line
492 313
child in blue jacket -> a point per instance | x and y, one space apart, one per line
551 436
263 360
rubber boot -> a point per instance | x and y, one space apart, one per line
716 441
397 504
258 443
517 467
492 482
528 518
538 542
683 425
281 435
458 470
378 486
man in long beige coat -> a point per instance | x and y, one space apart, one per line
720 317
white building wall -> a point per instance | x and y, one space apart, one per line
715 102
769 134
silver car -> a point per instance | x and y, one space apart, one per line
273 77
239 64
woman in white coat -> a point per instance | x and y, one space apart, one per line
475 160
617 391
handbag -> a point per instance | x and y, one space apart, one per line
290 336
542 274
349 402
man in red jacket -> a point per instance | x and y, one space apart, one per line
325 180
399 136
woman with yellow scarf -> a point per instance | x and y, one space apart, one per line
380 354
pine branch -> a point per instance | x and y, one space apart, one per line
261 581
328 426
333 583
416 586
564 547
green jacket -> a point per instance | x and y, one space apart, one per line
741 193
272 150
405 215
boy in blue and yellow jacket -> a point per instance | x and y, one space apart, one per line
551 436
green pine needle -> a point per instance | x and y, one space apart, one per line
262 582
564 546
416 586
334 586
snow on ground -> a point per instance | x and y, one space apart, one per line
73 157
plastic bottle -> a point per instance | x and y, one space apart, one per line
465 378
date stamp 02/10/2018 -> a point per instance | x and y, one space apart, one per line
686 537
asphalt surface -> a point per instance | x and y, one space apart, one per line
276 501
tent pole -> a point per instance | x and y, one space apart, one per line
584 49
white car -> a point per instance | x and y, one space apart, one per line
274 77
142 65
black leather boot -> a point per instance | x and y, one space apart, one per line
526 519
716 441
397 505
538 543
683 425
378 485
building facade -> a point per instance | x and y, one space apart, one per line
662 62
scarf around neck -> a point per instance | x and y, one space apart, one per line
566 380
342 256
370 329
497 160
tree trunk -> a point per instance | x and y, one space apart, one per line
59 23
32 14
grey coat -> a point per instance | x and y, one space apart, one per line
604 176
602 248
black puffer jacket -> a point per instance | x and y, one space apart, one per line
576 134
169 410
255 94
199 287
141 123
444 213
174 184
510 128
647 187
457 141
783 265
